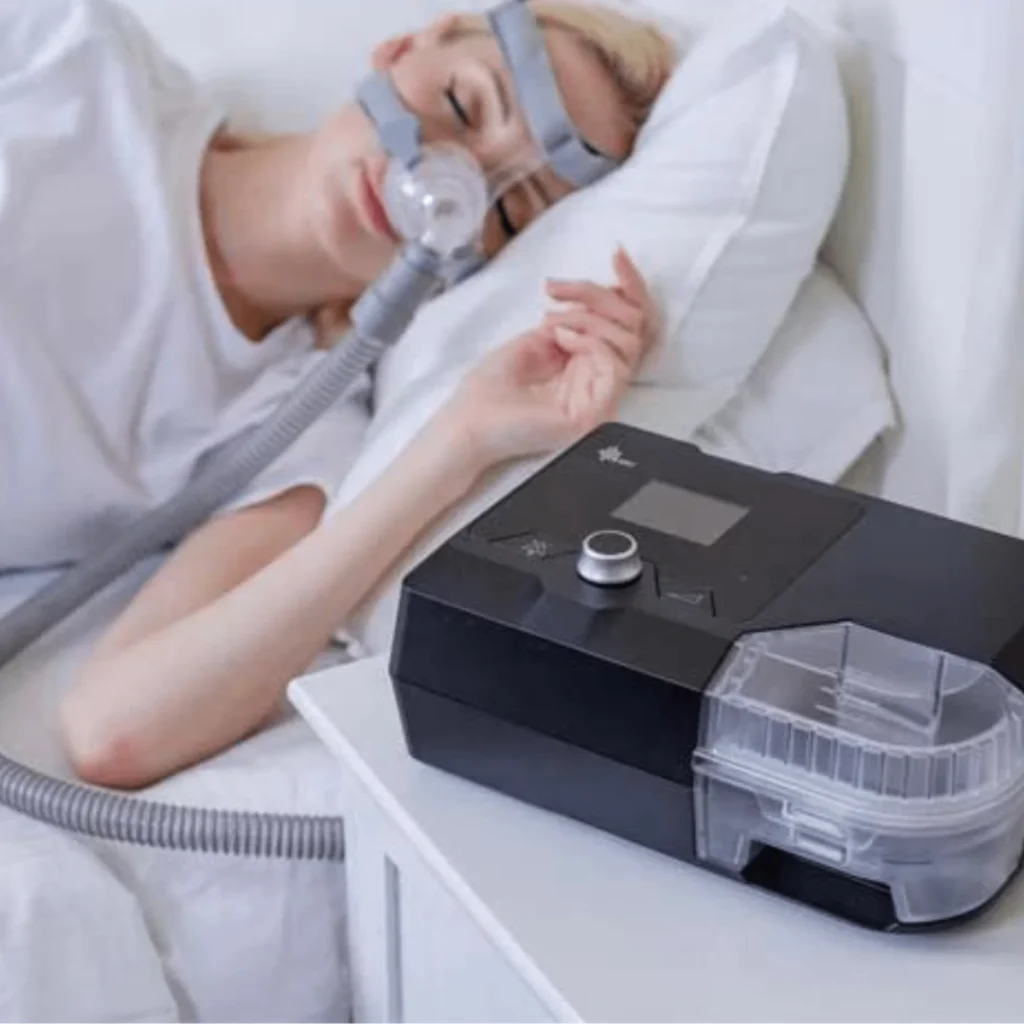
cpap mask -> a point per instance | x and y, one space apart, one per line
438 194
437 197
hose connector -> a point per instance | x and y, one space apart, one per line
385 310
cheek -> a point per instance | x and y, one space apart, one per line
349 135
344 144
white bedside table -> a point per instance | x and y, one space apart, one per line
466 905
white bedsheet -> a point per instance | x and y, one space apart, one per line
94 931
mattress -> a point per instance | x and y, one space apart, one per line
99 931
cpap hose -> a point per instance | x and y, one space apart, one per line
379 319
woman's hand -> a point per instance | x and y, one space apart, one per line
552 385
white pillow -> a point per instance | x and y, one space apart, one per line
813 405
724 204
819 396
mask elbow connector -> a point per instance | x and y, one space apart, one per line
386 309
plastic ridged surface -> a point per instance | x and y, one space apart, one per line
111 816
382 318
862 710
886 760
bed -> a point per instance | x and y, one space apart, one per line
927 241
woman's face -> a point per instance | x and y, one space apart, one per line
462 91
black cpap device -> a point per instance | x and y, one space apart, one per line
806 689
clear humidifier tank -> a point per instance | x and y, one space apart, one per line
878 758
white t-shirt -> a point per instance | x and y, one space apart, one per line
119 366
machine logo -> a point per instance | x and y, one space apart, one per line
536 548
613 454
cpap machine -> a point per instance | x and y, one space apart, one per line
806 690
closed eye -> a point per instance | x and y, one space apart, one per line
520 205
504 220
457 107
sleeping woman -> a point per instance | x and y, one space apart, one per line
163 285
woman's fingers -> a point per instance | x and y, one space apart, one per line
607 302
631 281
586 380
627 345
629 305
592 350
599 387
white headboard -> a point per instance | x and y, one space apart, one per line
932 88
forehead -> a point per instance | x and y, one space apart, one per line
587 90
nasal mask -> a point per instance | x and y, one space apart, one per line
438 198
438 195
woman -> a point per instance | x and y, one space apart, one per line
163 283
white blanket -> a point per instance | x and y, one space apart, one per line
93 931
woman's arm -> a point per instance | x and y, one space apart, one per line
169 687
203 655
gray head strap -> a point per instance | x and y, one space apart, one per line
397 127
525 52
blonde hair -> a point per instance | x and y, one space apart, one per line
635 53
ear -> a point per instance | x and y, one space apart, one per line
386 53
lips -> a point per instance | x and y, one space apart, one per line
372 206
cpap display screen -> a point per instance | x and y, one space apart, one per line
678 512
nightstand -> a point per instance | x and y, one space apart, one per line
467 905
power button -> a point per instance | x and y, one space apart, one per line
610 558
